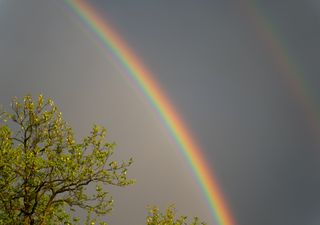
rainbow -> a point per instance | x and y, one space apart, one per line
143 77
291 73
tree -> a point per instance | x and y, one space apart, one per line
44 170
45 173
168 218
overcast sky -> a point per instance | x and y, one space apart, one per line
219 70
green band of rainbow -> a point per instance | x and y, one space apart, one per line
138 72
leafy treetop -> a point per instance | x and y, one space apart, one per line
155 217
44 170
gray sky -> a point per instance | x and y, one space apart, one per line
219 73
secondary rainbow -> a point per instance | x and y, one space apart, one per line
289 69
143 77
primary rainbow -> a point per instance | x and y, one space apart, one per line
140 74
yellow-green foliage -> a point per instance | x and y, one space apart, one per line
44 170
155 217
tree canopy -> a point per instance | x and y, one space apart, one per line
155 217
44 169
45 173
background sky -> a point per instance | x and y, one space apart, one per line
220 72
